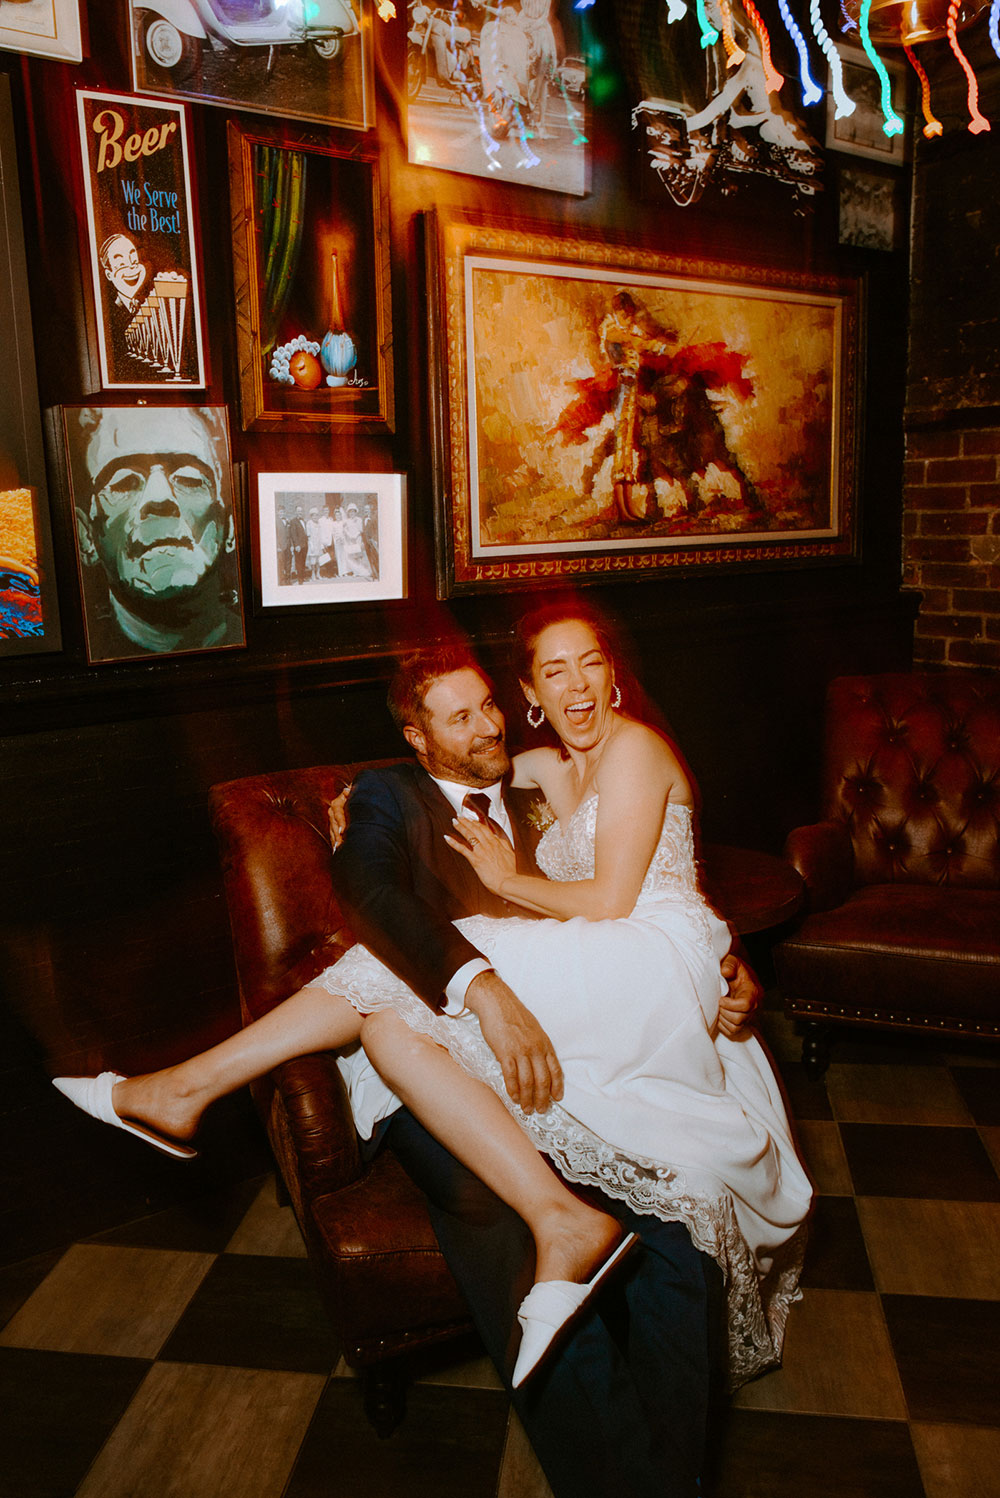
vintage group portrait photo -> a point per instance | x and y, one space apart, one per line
327 538
603 410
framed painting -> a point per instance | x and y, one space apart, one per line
311 276
605 412
29 610
147 296
328 538
861 133
298 59
45 28
500 92
156 532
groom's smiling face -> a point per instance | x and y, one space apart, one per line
461 733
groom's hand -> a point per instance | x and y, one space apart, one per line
531 1072
736 1009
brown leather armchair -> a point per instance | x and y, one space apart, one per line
385 1284
903 874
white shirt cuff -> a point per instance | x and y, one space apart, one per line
459 986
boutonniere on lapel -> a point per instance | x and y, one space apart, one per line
540 816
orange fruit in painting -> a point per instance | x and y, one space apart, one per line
305 369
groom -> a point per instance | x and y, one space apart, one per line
621 1409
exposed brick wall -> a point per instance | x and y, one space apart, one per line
951 544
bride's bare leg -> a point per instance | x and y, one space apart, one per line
173 1100
571 1238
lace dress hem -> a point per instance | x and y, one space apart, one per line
756 1323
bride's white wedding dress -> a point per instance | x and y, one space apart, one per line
658 1111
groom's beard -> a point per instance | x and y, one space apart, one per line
485 762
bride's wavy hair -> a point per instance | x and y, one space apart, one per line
533 625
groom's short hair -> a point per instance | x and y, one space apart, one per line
417 673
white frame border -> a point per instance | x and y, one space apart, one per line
390 489
64 45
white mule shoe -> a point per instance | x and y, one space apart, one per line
550 1306
93 1095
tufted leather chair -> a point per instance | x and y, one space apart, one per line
903 872
385 1284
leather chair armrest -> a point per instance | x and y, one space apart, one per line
307 1115
824 856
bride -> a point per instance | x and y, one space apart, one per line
656 1106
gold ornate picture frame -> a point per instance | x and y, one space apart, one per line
602 412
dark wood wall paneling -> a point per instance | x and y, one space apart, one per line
115 947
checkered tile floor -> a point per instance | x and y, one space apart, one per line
187 1355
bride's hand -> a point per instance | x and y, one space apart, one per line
489 852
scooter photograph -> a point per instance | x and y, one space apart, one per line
308 59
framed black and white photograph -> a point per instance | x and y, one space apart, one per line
155 529
331 538
862 133
499 91
870 214
297 59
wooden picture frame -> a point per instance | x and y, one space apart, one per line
330 538
43 28
143 254
861 133
311 274
29 608
295 59
604 412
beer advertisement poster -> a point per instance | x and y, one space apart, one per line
146 293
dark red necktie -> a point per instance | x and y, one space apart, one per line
479 804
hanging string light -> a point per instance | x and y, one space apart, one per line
932 125
709 35
995 26
844 103
772 78
893 124
811 91
977 121
734 52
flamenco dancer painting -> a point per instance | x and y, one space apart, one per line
652 410
665 424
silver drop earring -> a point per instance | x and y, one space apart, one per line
536 722
616 700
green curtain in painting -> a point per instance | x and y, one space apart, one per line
281 188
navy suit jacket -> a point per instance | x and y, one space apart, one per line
401 886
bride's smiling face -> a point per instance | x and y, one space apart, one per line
572 680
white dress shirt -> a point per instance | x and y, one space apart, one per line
459 986
371 1100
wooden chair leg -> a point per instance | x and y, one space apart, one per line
385 1397
817 1044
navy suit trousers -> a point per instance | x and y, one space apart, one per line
621 1411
